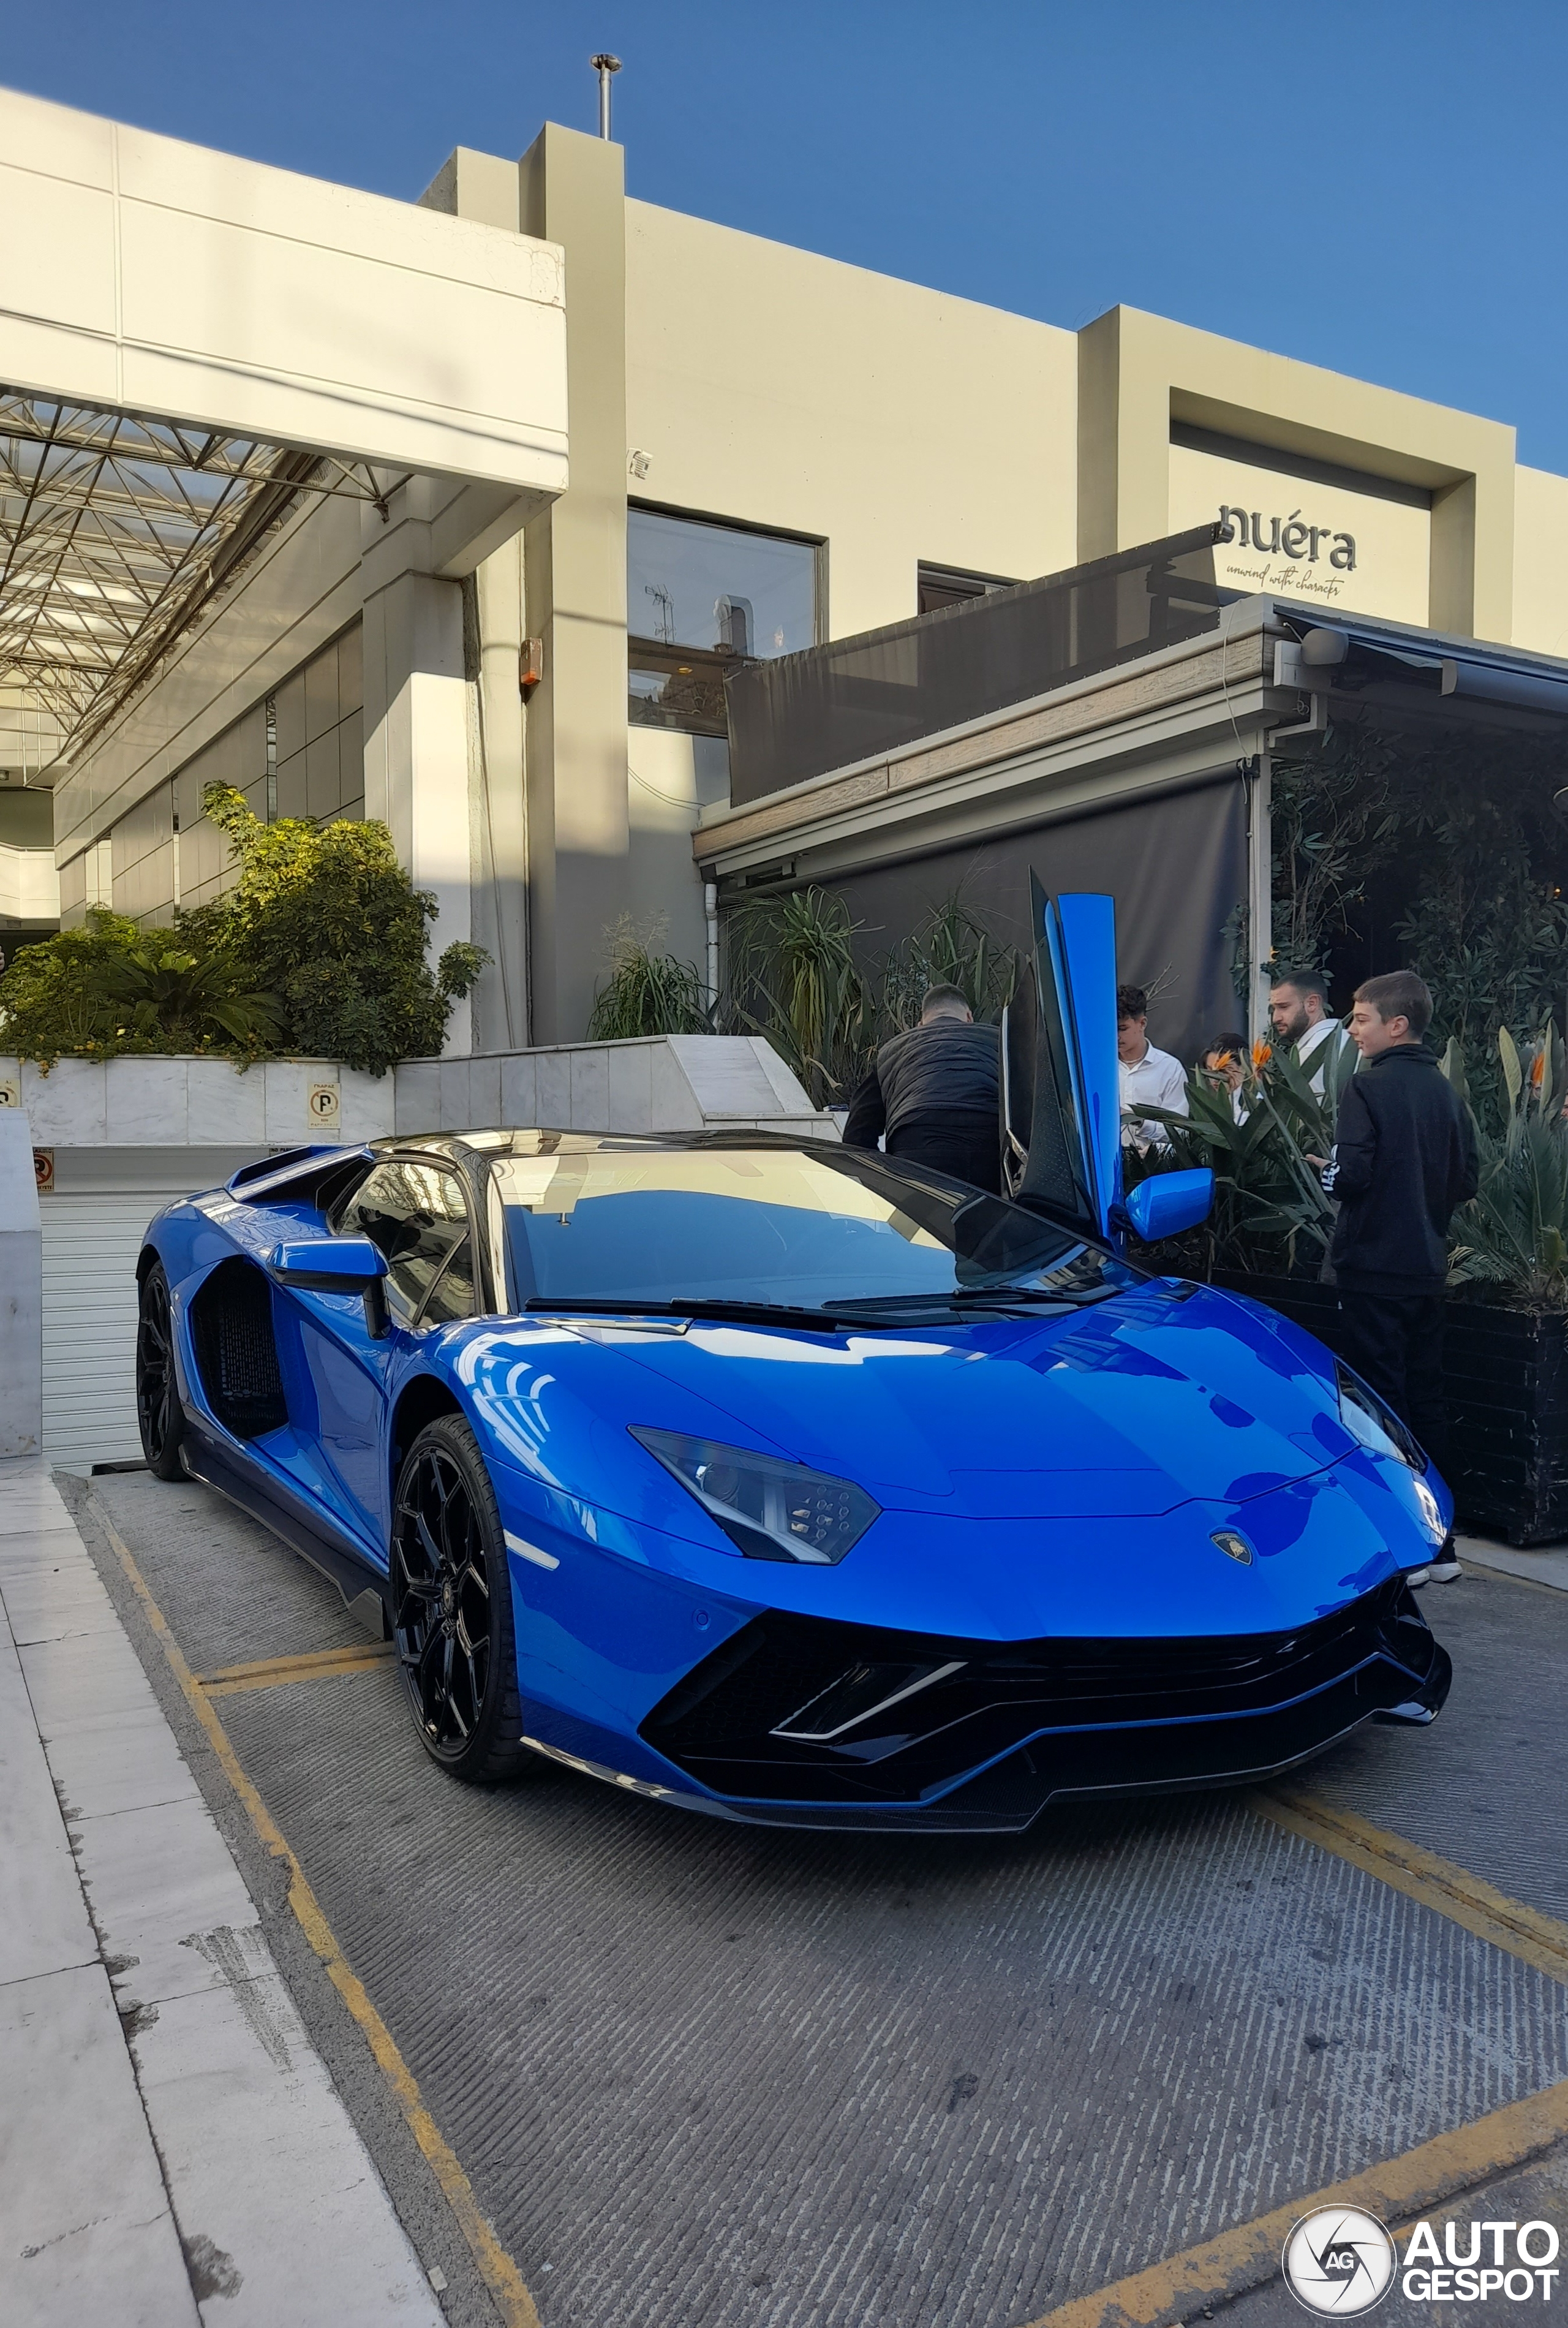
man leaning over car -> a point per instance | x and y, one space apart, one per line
933 1093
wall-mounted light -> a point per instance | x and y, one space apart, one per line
529 666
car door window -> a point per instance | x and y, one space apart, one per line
452 1295
417 1215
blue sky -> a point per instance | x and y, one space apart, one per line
1379 187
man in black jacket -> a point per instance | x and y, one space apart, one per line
933 1094
1404 1156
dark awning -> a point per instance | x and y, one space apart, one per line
1351 655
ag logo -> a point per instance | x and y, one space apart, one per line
1339 2262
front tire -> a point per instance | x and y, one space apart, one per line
451 1608
160 1417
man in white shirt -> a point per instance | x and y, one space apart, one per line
1149 1078
1298 1014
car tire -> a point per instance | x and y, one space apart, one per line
450 1595
160 1417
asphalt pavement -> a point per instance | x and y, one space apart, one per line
699 2076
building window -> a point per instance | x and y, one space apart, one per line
947 585
702 597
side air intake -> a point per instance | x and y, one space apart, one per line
236 1353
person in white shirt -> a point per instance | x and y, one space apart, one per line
1298 1014
1149 1078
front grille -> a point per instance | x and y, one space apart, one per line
720 1725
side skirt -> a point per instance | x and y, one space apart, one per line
356 1580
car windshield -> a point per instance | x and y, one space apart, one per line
801 1227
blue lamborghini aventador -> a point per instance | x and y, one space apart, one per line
792 1484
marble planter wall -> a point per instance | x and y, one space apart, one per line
674 1083
21 1298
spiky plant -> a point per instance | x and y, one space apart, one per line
646 992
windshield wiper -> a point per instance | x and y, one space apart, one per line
970 1298
736 1312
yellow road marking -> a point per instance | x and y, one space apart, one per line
1465 1899
501 2274
1405 2187
271 1673
1249 2256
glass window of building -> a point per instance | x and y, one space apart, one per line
946 586
699 598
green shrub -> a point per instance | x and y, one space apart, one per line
319 950
327 917
114 989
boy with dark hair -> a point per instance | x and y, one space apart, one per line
1149 1078
1404 1159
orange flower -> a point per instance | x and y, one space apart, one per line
1262 1053
1538 1069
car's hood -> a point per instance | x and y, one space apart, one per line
1151 1399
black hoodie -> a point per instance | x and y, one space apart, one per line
1404 1156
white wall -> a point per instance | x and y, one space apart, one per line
1541 562
29 886
670 779
152 275
899 423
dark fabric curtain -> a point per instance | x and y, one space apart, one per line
1176 864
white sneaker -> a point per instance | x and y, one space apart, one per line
1416 1577
1444 1571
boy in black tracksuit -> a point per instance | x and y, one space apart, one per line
1405 1156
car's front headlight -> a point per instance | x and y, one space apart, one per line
1378 1427
1366 1417
774 1510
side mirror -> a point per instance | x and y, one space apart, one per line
1169 1202
348 1264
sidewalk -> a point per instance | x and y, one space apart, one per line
171 2148
1548 1565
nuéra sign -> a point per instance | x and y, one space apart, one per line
1290 538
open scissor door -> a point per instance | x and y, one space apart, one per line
1060 1091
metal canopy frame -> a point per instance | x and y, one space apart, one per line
115 529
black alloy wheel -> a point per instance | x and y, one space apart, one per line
159 1414
451 1610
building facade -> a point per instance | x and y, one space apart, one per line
767 450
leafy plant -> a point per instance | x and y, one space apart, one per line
793 978
1334 823
325 916
1270 1212
1511 1242
953 946
320 948
114 988
646 993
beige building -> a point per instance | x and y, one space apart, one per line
513 646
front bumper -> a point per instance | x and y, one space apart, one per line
996 1730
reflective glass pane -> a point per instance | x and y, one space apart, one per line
771 1224
693 585
452 1297
414 1214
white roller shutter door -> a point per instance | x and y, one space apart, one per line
90 1244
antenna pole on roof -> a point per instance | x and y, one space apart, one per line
604 66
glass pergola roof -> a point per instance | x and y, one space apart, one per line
115 531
